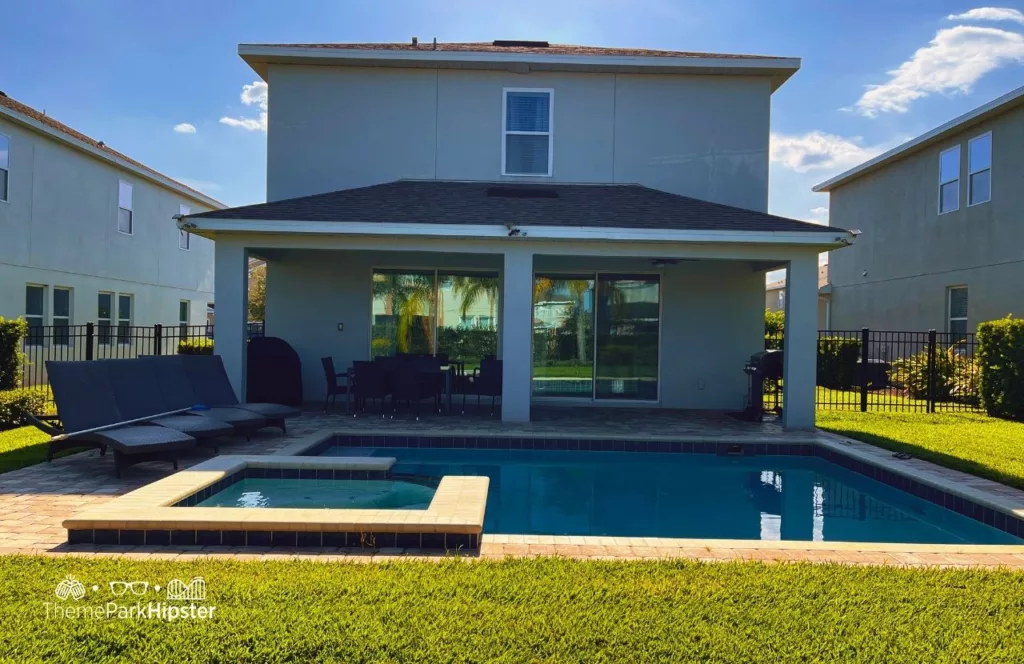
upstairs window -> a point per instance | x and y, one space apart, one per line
124 207
184 237
5 165
957 307
527 132
949 180
979 167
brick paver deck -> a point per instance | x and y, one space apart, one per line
35 500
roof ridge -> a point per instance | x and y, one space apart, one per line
24 109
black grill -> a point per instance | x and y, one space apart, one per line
764 368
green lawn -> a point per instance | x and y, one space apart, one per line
974 443
21 447
524 610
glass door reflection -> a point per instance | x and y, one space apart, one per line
627 328
563 336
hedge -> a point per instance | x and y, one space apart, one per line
11 357
956 376
837 362
195 347
1001 364
15 404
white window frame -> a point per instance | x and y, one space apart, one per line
550 133
184 237
183 323
131 210
53 313
970 171
40 339
108 340
6 195
121 319
959 167
949 307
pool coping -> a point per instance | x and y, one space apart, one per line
152 515
986 501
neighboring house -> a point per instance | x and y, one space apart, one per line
620 194
775 296
88 235
941 216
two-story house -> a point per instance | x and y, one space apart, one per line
943 243
87 234
610 202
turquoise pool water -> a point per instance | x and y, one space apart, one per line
334 494
689 495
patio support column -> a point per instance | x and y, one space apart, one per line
231 281
800 342
517 328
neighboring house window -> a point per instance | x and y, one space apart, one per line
61 316
35 299
124 318
5 165
124 207
782 299
979 167
184 237
105 316
949 180
183 319
527 132
957 307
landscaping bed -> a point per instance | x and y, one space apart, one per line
521 610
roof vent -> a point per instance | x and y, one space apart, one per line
415 41
101 144
2 93
509 43
522 192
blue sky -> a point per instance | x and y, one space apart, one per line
128 72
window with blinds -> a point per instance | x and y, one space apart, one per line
957 309
527 132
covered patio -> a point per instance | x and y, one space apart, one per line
590 295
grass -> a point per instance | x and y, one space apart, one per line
523 610
974 443
21 447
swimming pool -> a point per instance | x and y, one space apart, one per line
265 493
705 496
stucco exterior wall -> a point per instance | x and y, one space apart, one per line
59 228
712 318
895 276
334 128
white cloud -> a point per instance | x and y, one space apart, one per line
252 95
185 128
820 214
819 151
951 63
200 185
989 14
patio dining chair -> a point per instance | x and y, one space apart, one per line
331 376
485 382
369 381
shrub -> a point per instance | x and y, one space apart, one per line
837 362
15 404
774 322
11 357
956 376
1001 364
195 347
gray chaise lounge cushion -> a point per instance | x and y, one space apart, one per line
85 401
137 394
177 392
211 384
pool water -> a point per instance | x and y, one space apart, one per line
323 494
627 494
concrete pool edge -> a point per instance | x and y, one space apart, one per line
988 502
150 515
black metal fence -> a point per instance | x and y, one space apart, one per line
897 371
98 341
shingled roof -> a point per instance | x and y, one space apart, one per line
579 205
489 47
47 121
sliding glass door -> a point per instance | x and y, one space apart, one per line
435 311
596 336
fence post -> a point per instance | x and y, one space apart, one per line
90 333
158 337
931 371
865 335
